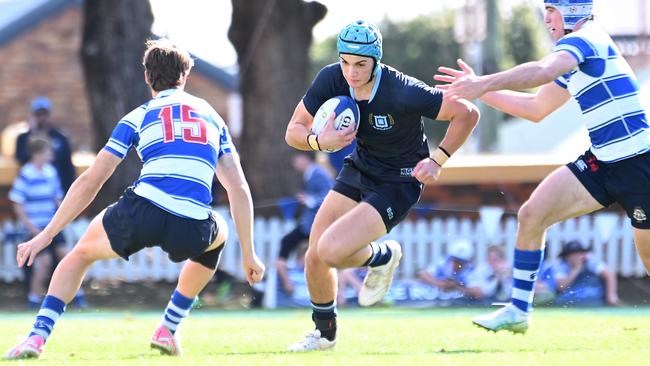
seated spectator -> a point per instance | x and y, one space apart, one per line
496 279
455 275
580 279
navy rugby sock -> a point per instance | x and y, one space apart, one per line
324 316
381 254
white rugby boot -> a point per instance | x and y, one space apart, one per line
378 279
508 318
312 342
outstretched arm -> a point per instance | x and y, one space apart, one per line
531 106
231 176
81 193
524 76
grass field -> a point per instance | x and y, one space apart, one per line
366 337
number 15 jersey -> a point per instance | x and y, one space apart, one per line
179 139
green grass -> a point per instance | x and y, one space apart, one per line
366 337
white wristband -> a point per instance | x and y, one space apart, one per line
440 157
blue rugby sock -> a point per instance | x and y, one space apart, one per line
177 309
51 310
525 271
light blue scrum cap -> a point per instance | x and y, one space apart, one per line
573 11
362 39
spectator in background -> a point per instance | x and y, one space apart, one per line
545 287
36 194
41 125
456 274
497 277
336 158
316 183
293 292
350 281
581 279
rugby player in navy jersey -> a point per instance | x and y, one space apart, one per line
182 142
587 66
380 181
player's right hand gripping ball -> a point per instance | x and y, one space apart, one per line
347 113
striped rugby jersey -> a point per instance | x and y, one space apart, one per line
179 139
607 92
38 191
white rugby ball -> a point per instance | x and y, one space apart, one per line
347 113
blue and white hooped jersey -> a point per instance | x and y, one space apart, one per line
607 91
179 138
38 191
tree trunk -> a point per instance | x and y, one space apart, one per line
272 39
113 43
492 57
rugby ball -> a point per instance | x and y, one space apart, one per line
346 110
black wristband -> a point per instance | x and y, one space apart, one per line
318 144
444 151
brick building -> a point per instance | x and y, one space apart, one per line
39 48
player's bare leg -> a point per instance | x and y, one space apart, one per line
642 242
340 238
65 283
569 199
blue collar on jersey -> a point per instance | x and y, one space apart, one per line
166 93
374 87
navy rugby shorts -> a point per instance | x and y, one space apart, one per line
626 182
393 200
134 223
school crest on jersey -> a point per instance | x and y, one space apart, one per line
381 123
639 214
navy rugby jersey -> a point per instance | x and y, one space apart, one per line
390 139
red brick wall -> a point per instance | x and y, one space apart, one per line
45 61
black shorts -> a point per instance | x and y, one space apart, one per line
392 200
133 223
626 182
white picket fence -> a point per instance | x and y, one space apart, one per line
423 242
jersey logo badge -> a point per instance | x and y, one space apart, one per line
405 172
382 123
639 215
389 212
581 165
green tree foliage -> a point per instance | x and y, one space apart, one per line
526 39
